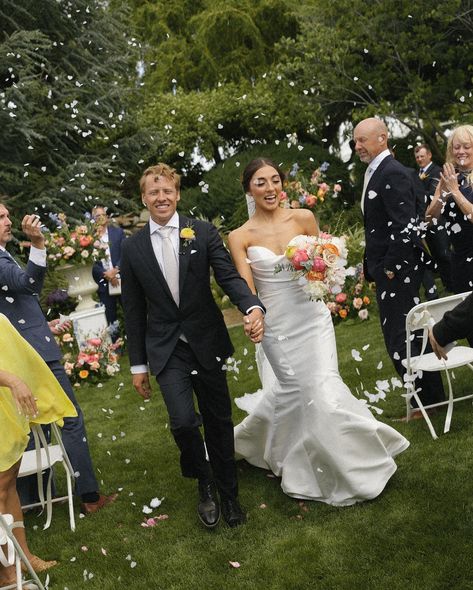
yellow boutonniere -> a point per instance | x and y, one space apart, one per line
423 176
188 235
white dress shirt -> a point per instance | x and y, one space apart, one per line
372 166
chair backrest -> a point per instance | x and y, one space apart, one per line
424 315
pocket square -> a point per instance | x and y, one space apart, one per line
193 251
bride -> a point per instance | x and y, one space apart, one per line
306 427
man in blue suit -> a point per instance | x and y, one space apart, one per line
19 302
106 272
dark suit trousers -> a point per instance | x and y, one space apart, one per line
74 437
395 298
182 376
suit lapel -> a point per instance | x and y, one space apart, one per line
184 251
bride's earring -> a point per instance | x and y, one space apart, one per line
250 204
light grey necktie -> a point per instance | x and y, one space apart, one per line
170 262
368 172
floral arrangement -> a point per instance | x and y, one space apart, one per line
96 360
77 245
354 301
307 193
318 262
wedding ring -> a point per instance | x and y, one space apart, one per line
247 321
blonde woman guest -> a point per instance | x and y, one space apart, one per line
29 394
454 198
306 427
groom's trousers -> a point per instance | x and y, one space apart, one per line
182 376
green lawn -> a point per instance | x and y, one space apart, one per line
417 535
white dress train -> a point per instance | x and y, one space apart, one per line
305 425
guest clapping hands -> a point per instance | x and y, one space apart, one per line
454 197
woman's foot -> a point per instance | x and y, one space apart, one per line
38 564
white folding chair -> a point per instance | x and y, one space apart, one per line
12 554
43 457
422 317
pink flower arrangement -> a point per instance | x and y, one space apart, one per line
307 193
79 245
353 301
96 360
318 262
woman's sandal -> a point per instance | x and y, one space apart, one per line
38 564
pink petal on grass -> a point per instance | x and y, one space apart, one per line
234 564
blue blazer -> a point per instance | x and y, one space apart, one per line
19 302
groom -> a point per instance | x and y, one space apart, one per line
175 329
394 255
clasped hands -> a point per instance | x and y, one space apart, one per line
448 180
253 324
112 276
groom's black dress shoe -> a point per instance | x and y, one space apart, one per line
232 513
208 508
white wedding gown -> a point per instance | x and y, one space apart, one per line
305 425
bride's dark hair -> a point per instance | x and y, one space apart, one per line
254 166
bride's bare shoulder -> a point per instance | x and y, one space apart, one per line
306 220
239 235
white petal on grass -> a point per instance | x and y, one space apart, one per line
356 355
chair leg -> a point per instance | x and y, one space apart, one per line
70 499
426 416
448 418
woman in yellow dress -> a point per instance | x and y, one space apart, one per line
29 394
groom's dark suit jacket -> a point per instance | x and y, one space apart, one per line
390 217
154 322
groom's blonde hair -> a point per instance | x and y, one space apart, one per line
160 169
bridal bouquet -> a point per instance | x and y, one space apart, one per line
318 262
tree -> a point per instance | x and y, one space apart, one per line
195 44
409 61
65 89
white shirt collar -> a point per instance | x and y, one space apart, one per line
375 162
427 167
173 222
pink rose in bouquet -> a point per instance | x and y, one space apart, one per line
307 258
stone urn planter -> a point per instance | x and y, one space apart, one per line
80 284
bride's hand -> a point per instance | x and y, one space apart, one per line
254 325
